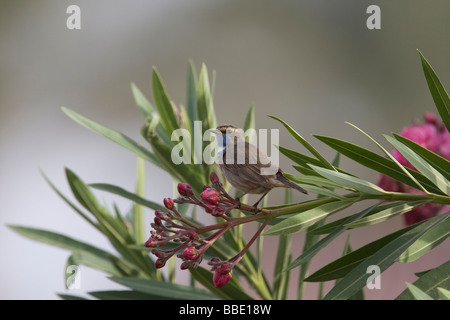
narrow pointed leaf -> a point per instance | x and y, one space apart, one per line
437 90
342 266
330 227
444 294
112 135
204 101
349 181
141 101
169 119
385 214
306 144
417 293
313 250
439 163
383 258
430 281
128 195
304 219
421 165
191 92
124 295
376 162
164 290
427 242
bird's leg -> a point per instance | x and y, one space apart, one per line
257 202
238 199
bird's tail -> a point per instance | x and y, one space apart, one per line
289 183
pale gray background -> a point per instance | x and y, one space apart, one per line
312 63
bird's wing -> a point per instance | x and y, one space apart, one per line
251 169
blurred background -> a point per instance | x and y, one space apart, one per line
312 63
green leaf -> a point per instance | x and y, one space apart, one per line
59 240
281 261
439 163
404 169
180 172
383 258
307 255
138 210
84 253
124 295
88 201
112 135
421 165
249 122
385 214
427 242
315 180
330 227
70 297
205 107
376 162
297 157
437 90
191 93
429 282
417 293
444 294
306 144
315 189
127 195
164 290
169 119
141 101
231 291
304 219
71 204
342 266
94 261
349 181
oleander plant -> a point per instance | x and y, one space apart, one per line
414 181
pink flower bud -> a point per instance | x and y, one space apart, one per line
184 189
430 117
222 275
192 235
210 196
168 203
151 242
190 253
159 263
213 177
185 265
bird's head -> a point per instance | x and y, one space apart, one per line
228 132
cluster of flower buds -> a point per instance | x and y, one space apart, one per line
172 228
215 201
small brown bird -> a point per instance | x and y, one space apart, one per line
243 169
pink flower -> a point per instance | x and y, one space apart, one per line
433 136
222 275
